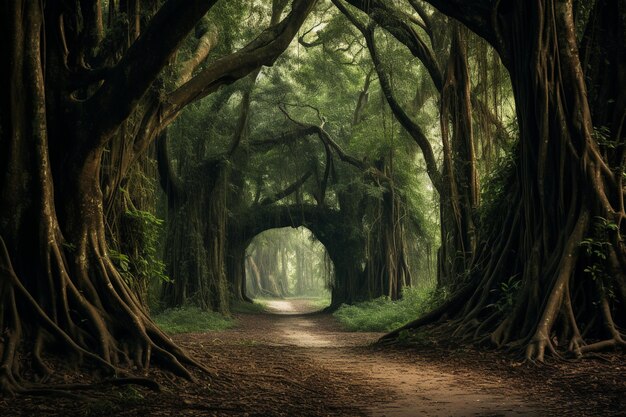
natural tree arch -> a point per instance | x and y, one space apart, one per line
332 228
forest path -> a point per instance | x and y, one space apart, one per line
314 355
417 388
297 365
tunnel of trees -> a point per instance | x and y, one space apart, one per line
144 144
287 262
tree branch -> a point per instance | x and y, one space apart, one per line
264 50
206 43
244 112
394 22
475 14
428 24
287 191
409 125
139 67
169 181
284 138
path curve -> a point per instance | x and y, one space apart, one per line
417 388
287 364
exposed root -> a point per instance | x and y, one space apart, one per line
451 306
124 316
536 349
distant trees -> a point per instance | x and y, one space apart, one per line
287 262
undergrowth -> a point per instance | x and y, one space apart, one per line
320 302
192 320
384 315
248 308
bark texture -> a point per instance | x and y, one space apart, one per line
63 100
550 266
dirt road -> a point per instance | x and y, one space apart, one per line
418 388
292 364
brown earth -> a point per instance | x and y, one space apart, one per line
293 364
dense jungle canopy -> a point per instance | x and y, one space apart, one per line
476 147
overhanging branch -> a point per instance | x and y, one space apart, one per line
264 50
127 82
396 23
287 191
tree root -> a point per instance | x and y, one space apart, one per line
452 305
126 336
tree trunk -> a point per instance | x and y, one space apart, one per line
196 240
540 280
459 193
58 285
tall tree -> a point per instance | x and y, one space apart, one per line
455 178
57 114
556 249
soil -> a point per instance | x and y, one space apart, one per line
288 363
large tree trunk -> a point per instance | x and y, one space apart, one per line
459 191
60 105
196 234
58 286
386 267
552 263
236 270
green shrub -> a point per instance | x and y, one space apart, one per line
192 319
382 314
320 302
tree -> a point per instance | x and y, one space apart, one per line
198 222
551 269
286 155
455 178
57 114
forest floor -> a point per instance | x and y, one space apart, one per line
294 364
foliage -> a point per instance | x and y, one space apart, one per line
145 263
191 319
602 135
597 247
320 302
506 293
494 189
383 315
248 308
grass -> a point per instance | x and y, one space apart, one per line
192 320
384 315
247 308
320 302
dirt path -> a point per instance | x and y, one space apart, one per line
412 389
290 364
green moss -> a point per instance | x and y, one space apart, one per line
382 314
192 320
